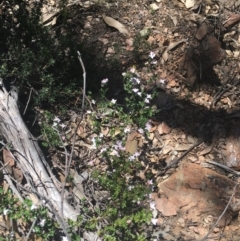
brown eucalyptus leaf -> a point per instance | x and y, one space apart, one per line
115 24
8 158
183 147
163 128
233 19
132 142
17 173
170 47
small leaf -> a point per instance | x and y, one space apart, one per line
115 24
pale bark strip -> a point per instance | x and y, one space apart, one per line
27 152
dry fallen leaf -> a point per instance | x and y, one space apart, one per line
233 19
115 24
170 47
163 128
8 158
189 3
132 142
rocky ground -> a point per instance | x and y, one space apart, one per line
188 52
193 48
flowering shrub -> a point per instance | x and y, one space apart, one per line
127 209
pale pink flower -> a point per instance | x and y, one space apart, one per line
90 163
148 126
140 130
150 182
104 81
119 146
152 205
136 154
131 158
103 150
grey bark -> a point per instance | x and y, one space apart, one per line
28 154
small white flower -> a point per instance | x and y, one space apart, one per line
146 100
101 135
127 130
131 158
149 96
54 124
89 112
113 101
103 150
130 188
62 125
154 221
93 102
139 94
150 182
42 222
135 80
137 154
104 81
152 205
33 207
115 153
135 90
152 55
140 130
133 70
154 62
5 211
94 142
64 239
119 146
91 163
162 81
148 126
123 74
56 119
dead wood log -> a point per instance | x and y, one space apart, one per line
28 154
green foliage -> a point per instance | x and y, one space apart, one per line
140 46
32 55
125 213
27 212
137 101
49 134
